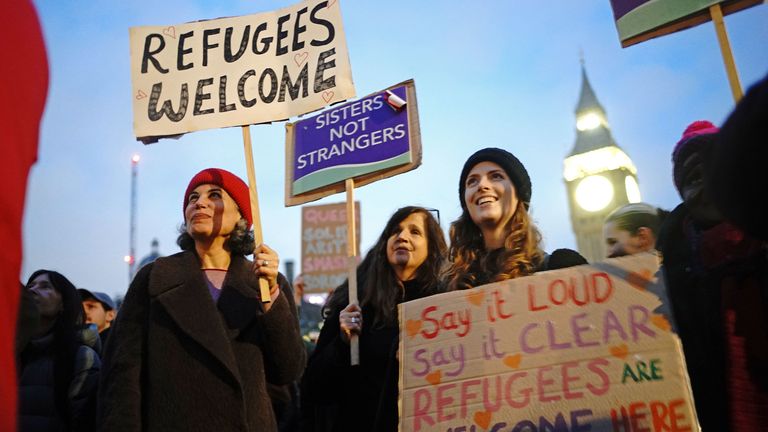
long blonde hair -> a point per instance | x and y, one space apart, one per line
470 264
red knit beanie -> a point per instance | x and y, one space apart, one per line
699 127
231 183
698 136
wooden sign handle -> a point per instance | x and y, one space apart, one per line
256 215
354 342
725 49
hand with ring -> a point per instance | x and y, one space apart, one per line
350 321
265 265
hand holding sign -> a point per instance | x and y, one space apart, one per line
350 322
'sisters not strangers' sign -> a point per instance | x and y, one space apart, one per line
369 139
238 71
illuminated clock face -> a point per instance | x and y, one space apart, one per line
588 121
594 193
633 190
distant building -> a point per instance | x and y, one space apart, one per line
153 255
599 176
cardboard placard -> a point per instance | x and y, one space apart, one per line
238 71
370 139
567 350
324 245
640 20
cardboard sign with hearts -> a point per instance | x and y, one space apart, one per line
566 350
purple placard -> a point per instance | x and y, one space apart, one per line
377 130
623 7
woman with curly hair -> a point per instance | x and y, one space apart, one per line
193 346
495 239
58 366
403 265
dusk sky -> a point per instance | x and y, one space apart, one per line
503 74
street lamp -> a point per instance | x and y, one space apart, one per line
131 258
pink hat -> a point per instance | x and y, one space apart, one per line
699 127
699 135
231 183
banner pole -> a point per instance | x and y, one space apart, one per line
257 235
725 49
354 342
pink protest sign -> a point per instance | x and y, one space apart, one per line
576 349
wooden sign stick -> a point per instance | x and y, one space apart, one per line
256 215
725 50
354 342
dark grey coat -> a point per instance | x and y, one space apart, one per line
177 361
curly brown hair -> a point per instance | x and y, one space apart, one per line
470 264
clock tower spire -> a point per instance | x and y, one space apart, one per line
599 176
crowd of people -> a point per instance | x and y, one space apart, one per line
195 347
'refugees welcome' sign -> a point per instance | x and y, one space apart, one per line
238 71
572 350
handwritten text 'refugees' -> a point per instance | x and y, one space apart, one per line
519 389
350 135
252 42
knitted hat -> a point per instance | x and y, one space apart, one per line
231 183
508 162
699 135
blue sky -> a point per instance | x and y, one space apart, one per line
502 74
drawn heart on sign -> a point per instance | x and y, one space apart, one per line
620 351
476 298
170 31
661 322
513 361
434 377
330 3
640 279
327 95
483 419
140 95
300 58
412 327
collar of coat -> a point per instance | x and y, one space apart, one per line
178 284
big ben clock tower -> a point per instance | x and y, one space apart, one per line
599 176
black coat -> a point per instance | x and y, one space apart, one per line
38 410
695 294
177 361
337 397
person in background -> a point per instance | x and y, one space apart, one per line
738 163
632 229
99 309
310 315
495 239
58 368
194 346
717 280
403 265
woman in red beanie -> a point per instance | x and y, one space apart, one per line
193 346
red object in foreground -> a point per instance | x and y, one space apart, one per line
25 71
